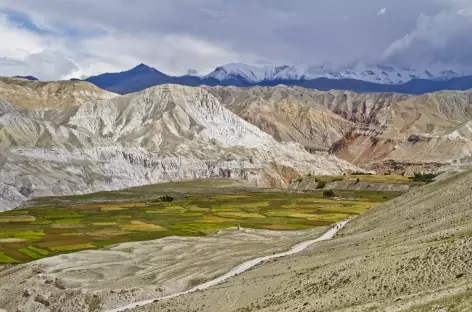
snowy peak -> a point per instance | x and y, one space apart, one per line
382 74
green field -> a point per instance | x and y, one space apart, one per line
52 226
385 179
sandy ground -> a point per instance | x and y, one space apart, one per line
104 279
410 254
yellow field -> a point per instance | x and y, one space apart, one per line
142 227
73 247
237 215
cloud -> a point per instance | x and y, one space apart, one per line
173 36
382 12
47 64
438 41
192 71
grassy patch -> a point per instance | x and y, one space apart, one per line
238 214
16 218
39 251
6 259
142 227
30 253
29 235
59 215
67 221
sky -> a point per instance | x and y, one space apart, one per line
61 39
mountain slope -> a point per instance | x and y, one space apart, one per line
49 95
160 134
286 114
409 254
139 78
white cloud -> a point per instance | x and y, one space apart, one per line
23 53
46 65
17 43
382 12
441 40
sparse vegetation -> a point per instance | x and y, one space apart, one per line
321 185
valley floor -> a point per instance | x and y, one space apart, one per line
58 225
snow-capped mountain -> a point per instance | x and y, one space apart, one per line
382 74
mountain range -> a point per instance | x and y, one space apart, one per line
91 139
369 79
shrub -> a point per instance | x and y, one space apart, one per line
361 173
167 198
337 179
321 185
329 194
426 178
358 180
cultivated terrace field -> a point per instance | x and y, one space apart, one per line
51 226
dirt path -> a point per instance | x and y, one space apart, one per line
240 268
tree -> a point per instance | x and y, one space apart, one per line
329 194
167 198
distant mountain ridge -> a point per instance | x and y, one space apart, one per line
32 78
369 79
